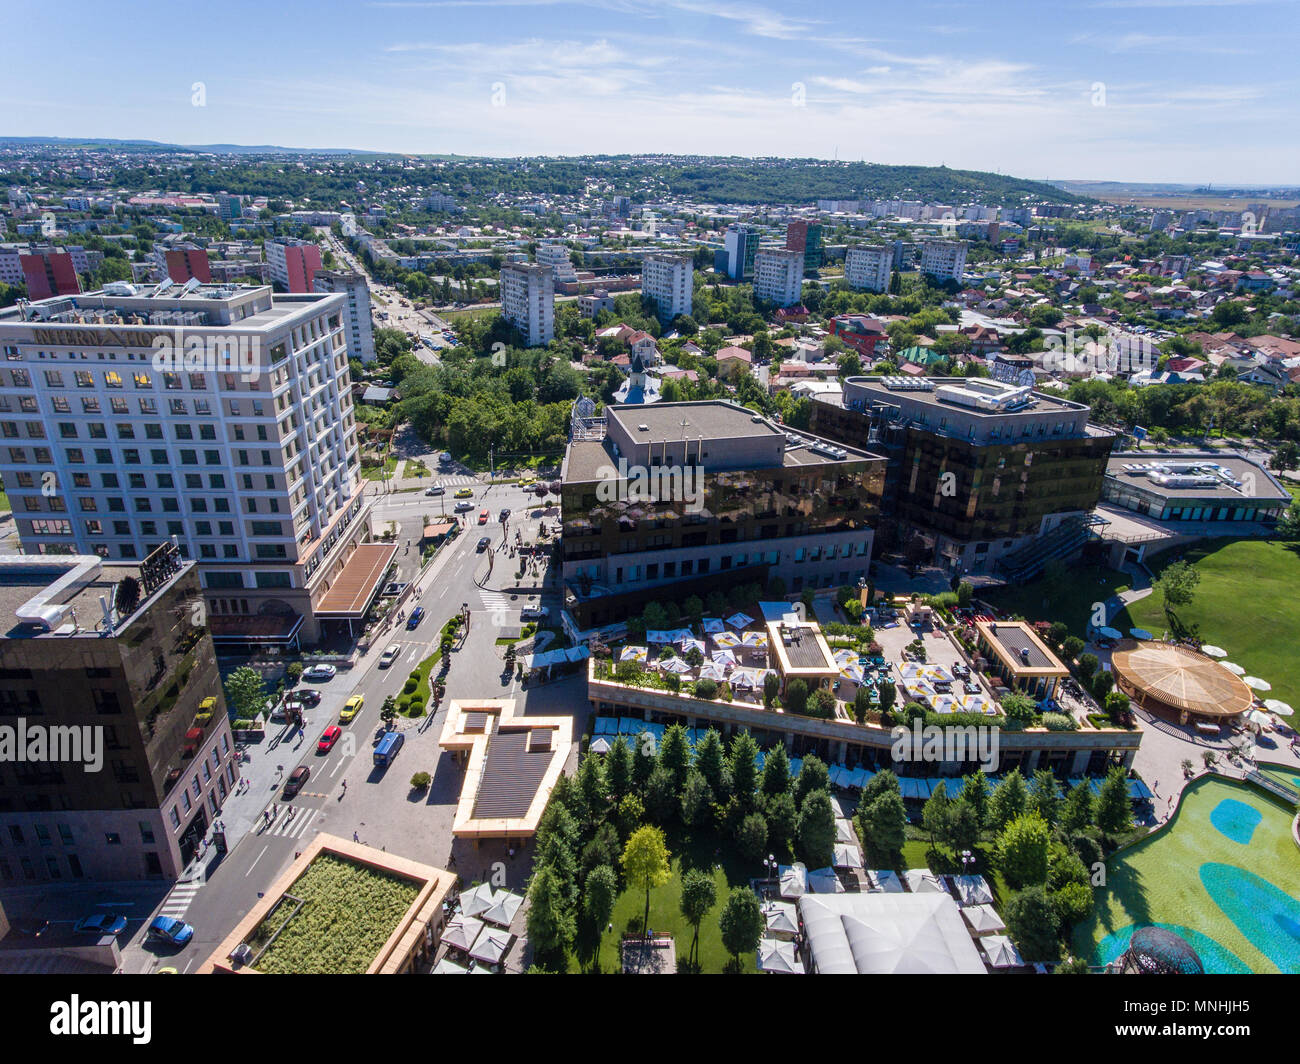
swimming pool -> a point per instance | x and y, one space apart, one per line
1224 874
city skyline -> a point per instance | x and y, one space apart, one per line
1142 91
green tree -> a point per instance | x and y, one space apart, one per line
888 692
646 864
883 827
1022 850
776 772
796 697
1044 796
699 896
1177 583
1008 801
662 798
1033 923
697 796
751 839
743 770
1077 811
711 760
599 893
782 821
741 923
245 692
618 768
813 776
1114 814
675 755
935 814
816 831
591 784
1020 710
550 923
388 711
963 825
975 792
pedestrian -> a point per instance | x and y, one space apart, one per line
1155 787
356 837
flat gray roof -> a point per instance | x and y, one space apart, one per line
1257 483
929 397
1013 639
712 420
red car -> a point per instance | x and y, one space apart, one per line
482 517
328 738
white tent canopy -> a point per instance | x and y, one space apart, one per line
825 881
884 881
794 880
847 856
983 920
477 900
923 881
491 945
1001 951
782 918
879 934
972 890
462 931
504 906
775 955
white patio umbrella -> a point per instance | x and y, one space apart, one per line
724 658
676 665
1213 651
712 671
825 881
491 945
712 624
782 918
476 901
778 957
1274 705
740 620
793 880
600 745
754 640
973 890
462 931
1236 670
447 966
688 645
504 907
1259 718
923 881
847 856
983 920
1001 951
631 653
844 832
1257 683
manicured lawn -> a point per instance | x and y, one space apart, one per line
1248 602
1071 601
665 916
377 472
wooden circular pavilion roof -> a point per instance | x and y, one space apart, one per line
1181 678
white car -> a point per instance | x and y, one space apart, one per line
319 672
533 613
390 655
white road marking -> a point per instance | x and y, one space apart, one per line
336 769
255 860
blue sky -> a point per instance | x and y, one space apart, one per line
1139 90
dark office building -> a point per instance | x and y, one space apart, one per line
997 478
115 747
700 496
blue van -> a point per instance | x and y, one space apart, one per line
388 747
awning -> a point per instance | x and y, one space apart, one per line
355 588
271 628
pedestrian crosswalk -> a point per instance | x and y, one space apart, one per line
287 827
495 601
459 481
178 901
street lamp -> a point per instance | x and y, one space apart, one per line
967 862
771 867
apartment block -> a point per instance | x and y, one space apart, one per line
528 301
293 263
221 416
184 264
361 333
669 281
869 268
806 236
944 260
778 276
116 662
49 273
741 246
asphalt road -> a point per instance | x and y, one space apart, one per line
374 797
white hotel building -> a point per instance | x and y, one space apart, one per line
250 463
868 267
669 280
944 260
778 276
528 301
361 333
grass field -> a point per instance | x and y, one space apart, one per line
1072 601
1247 602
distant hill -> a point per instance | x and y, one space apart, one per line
162 146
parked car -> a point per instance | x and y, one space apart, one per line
168 930
319 672
297 778
437 489
413 621
533 613
390 655
351 708
483 517
505 512
100 924
483 544
307 697
328 738
465 493
394 589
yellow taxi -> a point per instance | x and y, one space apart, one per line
464 493
351 708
